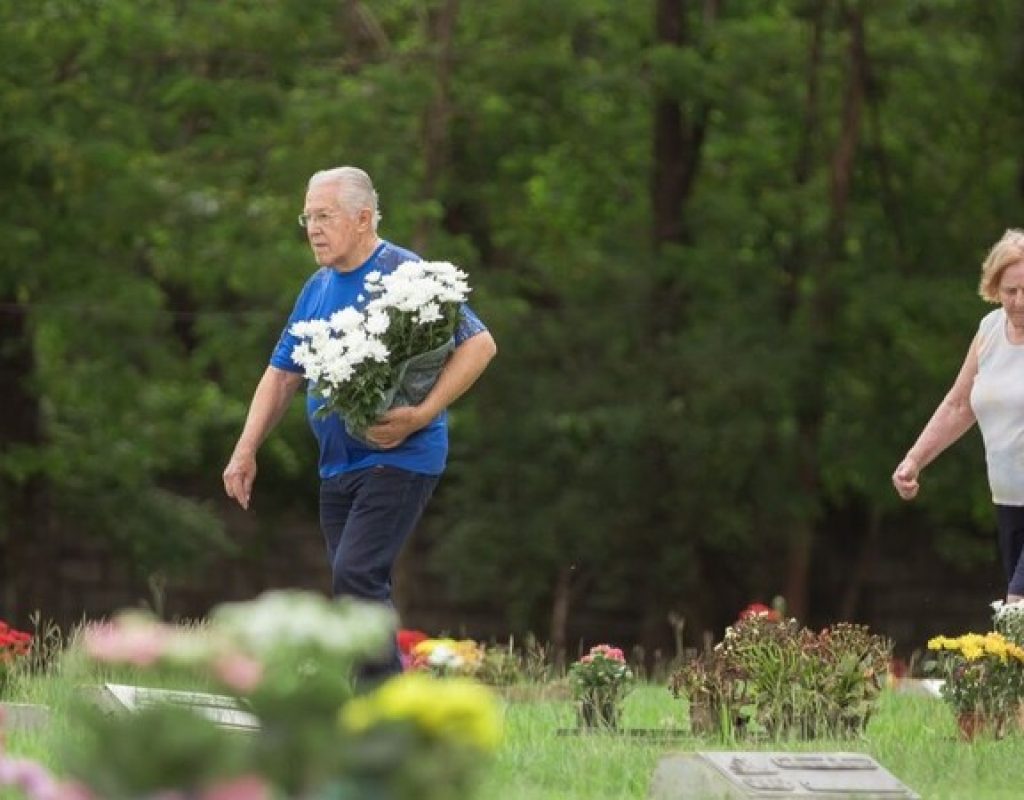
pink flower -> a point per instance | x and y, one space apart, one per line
238 672
606 650
36 782
246 787
139 643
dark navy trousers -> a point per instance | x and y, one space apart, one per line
366 516
1010 520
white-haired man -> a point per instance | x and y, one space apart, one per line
370 498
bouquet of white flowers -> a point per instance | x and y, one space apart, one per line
389 354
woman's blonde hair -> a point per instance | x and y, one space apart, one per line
1007 251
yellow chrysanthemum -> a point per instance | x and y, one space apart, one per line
453 709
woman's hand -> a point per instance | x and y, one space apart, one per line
905 478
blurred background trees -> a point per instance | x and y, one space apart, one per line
728 250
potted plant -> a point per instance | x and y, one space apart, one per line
600 681
983 680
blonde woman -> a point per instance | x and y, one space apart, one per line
990 391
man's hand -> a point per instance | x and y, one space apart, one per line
239 475
396 426
905 478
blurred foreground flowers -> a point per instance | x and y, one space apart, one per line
289 659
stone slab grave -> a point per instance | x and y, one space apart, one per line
23 717
731 775
222 710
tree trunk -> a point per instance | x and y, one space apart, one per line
561 602
821 312
861 568
20 427
437 115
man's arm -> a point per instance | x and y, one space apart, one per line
467 363
269 402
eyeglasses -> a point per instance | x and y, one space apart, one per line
320 219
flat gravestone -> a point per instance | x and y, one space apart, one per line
23 717
220 709
732 775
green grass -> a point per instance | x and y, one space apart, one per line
913 737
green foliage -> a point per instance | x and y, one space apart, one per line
671 408
774 678
149 751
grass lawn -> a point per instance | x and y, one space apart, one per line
913 737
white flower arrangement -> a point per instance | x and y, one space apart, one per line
1008 619
364 362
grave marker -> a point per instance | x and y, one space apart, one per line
222 710
730 775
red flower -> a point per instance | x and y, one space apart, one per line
13 643
760 610
408 639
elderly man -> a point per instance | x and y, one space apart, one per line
370 498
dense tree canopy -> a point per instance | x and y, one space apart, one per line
728 251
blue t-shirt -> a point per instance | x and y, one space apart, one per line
325 292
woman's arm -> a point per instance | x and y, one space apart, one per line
951 420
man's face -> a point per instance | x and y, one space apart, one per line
333 233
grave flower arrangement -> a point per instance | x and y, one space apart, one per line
771 677
983 679
600 680
447 656
14 647
288 661
363 362
419 736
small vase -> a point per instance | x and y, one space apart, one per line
597 713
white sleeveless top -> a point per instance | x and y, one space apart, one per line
997 399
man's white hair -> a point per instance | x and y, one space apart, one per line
355 189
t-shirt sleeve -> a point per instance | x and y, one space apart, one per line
282 355
987 330
469 325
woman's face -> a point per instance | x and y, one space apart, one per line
1011 293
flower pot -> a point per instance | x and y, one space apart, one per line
597 714
975 724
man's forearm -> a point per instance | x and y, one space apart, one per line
269 402
467 363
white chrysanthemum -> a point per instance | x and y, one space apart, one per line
283 619
346 319
377 322
310 329
429 312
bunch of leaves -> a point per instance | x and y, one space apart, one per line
983 673
154 750
772 677
502 665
